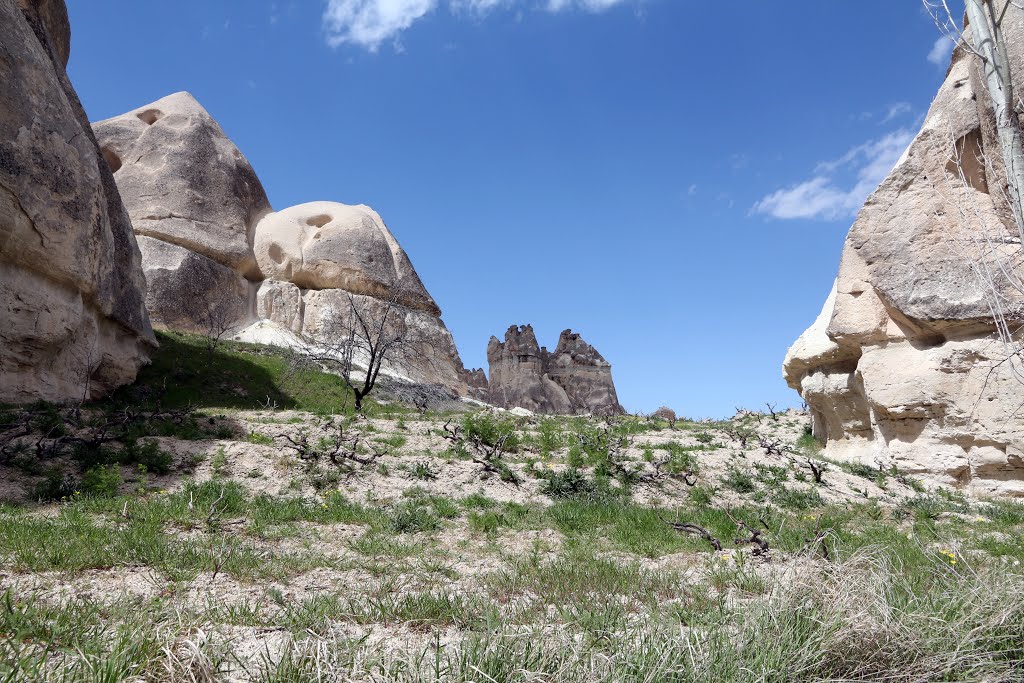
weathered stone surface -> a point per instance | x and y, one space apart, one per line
434 360
518 378
575 379
476 381
71 285
584 375
902 366
191 293
206 229
665 413
281 302
184 181
327 245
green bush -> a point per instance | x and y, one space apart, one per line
149 454
492 430
101 481
797 499
570 483
57 485
411 517
739 481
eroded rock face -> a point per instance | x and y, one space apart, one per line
328 245
584 375
218 260
476 381
71 283
517 375
190 292
434 358
319 253
902 366
573 380
184 182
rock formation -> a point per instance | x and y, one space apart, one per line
71 285
476 381
194 197
217 258
327 245
902 366
573 380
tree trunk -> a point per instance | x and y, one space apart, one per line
989 43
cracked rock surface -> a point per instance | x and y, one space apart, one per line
71 283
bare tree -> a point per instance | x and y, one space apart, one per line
362 337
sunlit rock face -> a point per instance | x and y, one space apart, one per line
902 367
573 380
74 324
194 201
218 259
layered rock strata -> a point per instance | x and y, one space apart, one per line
71 284
902 366
574 379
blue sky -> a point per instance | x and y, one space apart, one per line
671 178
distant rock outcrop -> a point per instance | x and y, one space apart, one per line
902 367
71 285
217 257
476 380
573 380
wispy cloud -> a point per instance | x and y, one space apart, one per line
897 110
941 50
839 187
370 23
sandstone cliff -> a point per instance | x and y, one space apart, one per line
902 366
573 380
71 285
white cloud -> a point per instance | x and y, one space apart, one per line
369 23
941 50
896 110
589 5
826 197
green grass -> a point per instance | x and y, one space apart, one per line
234 375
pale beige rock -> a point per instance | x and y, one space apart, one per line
282 303
184 181
436 360
71 286
901 367
327 245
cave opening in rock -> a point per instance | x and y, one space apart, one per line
968 161
318 221
112 159
150 116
